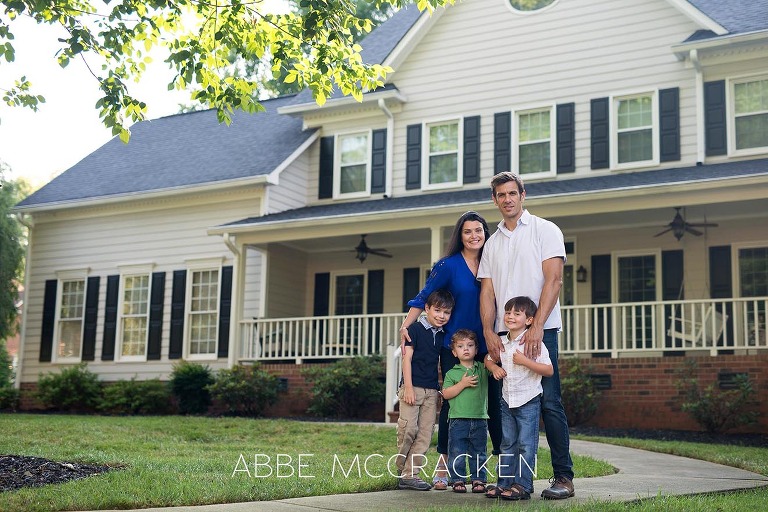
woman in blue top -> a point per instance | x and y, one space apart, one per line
457 273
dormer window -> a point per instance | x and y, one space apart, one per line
353 165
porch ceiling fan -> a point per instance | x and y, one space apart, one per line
363 250
679 226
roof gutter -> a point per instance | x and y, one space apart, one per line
683 50
143 195
346 101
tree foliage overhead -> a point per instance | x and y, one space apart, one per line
115 37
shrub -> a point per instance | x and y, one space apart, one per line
579 393
9 398
714 409
74 389
245 390
346 388
6 367
137 397
189 384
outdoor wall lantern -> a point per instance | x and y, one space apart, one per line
581 274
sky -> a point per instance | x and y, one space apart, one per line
40 145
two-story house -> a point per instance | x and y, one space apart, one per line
640 128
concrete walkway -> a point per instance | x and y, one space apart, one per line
641 474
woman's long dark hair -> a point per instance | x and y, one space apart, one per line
455 244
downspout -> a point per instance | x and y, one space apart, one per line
236 302
28 223
390 145
700 127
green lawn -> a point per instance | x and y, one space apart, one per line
166 461
175 460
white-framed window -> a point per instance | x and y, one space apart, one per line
752 273
202 311
70 315
534 142
443 154
528 6
748 130
352 176
348 293
634 130
637 279
133 332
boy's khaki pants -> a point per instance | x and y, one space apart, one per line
414 431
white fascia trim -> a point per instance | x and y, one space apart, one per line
388 215
368 98
682 50
698 17
153 194
411 39
273 178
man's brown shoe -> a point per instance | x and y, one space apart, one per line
561 488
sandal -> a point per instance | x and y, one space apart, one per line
459 487
493 491
515 493
440 483
478 487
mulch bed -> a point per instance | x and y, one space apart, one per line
17 472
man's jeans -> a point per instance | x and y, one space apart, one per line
467 440
553 414
519 444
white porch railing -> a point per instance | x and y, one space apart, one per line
318 337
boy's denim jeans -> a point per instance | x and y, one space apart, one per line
553 414
520 442
467 440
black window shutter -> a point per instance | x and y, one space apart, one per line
672 275
379 161
715 133
601 279
375 292
566 138
669 124
413 157
502 142
110 319
225 310
600 133
156 302
49 318
178 296
410 285
720 282
322 293
472 149
325 181
89 319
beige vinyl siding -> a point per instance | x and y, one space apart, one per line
136 233
290 193
287 287
601 48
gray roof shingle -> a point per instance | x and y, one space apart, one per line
613 182
178 151
736 16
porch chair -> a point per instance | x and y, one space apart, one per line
698 331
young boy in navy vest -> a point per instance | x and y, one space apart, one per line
419 389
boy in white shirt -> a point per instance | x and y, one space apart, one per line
520 403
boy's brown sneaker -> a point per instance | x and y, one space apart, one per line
561 488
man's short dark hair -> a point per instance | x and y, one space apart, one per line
440 299
505 177
523 304
463 334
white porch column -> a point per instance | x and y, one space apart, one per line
437 244
236 308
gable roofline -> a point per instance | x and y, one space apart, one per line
412 38
385 93
698 17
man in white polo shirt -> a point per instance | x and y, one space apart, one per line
525 256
